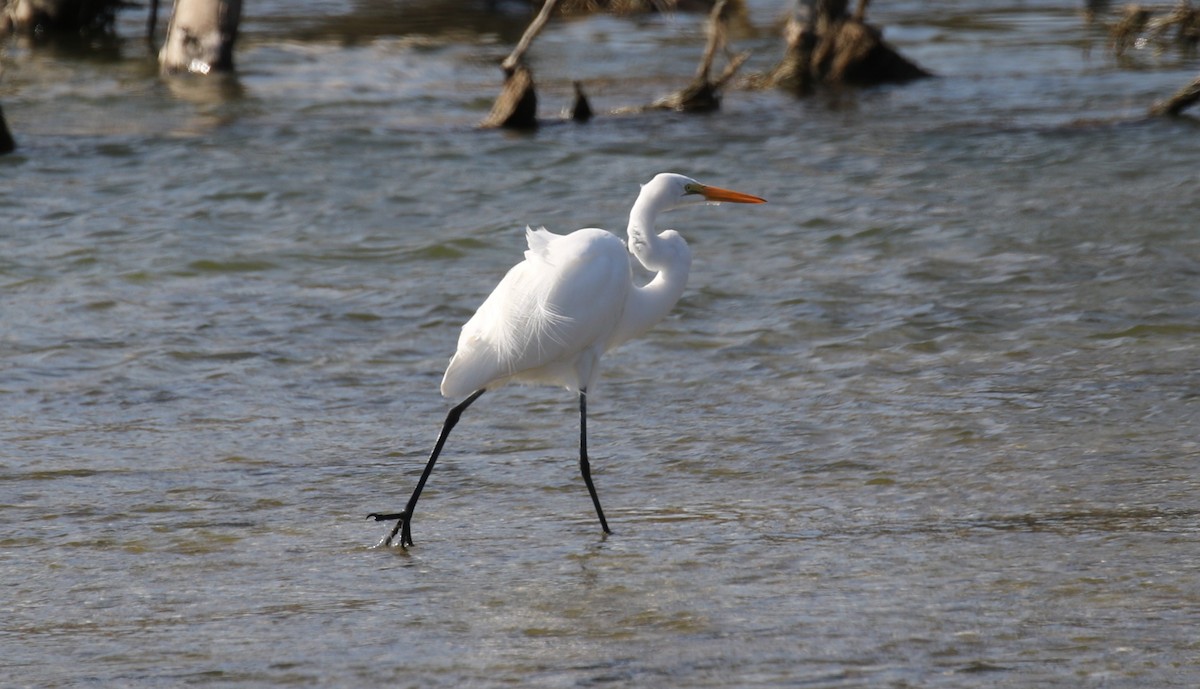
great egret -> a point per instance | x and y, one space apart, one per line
554 314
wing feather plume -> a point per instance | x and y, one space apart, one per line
562 300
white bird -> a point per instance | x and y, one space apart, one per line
571 300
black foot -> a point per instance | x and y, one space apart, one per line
401 523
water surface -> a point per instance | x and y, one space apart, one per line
925 419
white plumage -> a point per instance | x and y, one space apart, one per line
549 319
557 312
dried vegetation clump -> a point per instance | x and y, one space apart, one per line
1159 29
1141 27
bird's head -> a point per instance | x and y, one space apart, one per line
668 190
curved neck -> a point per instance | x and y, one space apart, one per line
666 255
643 242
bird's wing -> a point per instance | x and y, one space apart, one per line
564 298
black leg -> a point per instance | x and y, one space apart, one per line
405 518
584 467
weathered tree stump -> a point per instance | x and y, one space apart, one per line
830 47
581 110
66 17
7 145
516 106
201 36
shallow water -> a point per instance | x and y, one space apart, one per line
925 419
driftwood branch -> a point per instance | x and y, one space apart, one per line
535 27
516 106
703 93
1183 98
860 14
715 31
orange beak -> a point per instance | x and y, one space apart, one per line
718 194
